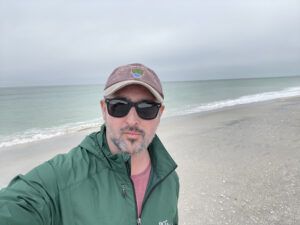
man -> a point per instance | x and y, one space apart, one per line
119 175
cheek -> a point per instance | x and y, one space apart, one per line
152 127
113 125
104 117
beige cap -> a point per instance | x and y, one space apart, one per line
134 74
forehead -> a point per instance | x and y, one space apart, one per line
135 92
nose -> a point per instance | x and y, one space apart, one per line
132 118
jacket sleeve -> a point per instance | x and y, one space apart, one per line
30 199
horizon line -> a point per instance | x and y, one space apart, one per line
90 84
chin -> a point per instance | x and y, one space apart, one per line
135 149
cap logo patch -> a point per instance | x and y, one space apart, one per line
137 73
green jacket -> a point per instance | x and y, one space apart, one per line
90 186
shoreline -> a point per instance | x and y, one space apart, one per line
173 117
237 165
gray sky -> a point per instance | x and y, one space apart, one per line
81 42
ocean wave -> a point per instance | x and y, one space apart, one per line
33 135
247 99
46 133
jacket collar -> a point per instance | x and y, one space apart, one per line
161 161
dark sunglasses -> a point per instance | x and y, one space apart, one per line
120 107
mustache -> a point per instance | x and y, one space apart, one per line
134 129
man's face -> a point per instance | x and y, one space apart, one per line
130 133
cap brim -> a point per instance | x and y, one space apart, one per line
115 87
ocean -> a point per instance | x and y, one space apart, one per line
30 114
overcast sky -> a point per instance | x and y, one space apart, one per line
81 42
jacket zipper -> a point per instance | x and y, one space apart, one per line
150 194
138 219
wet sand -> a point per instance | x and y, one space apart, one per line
238 165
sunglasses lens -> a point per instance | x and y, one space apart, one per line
118 107
147 110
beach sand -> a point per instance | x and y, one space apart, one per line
238 165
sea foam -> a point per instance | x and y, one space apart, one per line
46 133
247 99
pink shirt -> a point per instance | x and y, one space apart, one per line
140 182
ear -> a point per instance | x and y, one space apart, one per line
161 110
103 109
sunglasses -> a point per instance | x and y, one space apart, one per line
120 107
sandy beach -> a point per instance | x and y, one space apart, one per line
239 165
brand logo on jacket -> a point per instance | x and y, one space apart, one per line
165 222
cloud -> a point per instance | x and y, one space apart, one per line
57 42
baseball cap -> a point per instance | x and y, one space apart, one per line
135 73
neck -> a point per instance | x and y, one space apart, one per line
139 162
